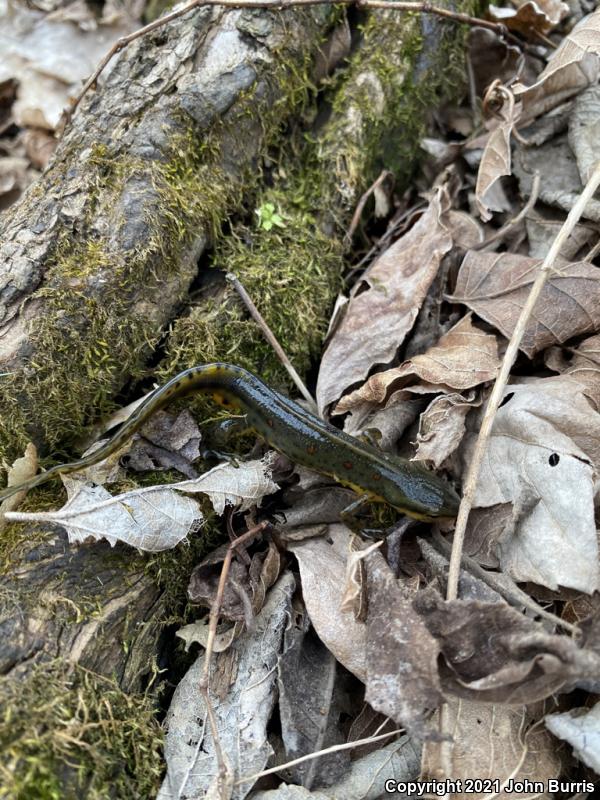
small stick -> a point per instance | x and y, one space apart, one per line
501 232
270 337
362 202
210 641
280 5
502 379
333 749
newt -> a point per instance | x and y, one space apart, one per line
288 428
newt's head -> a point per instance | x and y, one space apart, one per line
421 494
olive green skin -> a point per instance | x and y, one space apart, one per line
296 433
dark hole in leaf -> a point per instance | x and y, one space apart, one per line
506 398
554 459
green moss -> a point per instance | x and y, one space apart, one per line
291 273
379 107
66 732
95 333
380 112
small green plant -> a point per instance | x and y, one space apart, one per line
268 217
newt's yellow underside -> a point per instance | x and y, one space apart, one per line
296 433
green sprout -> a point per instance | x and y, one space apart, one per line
268 217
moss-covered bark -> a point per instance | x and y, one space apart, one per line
97 257
401 67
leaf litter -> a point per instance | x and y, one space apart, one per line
324 634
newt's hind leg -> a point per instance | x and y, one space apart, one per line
350 517
218 435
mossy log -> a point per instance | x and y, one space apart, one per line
97 257
96 262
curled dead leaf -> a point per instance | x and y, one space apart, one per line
463 358
574 65
494 654
531 17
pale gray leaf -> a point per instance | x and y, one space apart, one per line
241 715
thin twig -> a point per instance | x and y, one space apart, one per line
281 5
362 202
496 396
270 337
333 749
210 641
501 232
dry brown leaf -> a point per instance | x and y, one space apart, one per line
312 701
152 519
494 654
542 456
495 161
463 358
365 778
316 505
21 470
581 728
442 427
485 529
322 564
385 303
39 146
49 59
402 675
495 743
246 587
571 67
243 695
542 230
198 633
582 365
531 17
561 185
166 441
496 286
385 425
584 131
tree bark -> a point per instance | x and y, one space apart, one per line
97 256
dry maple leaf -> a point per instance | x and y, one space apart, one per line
496 286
